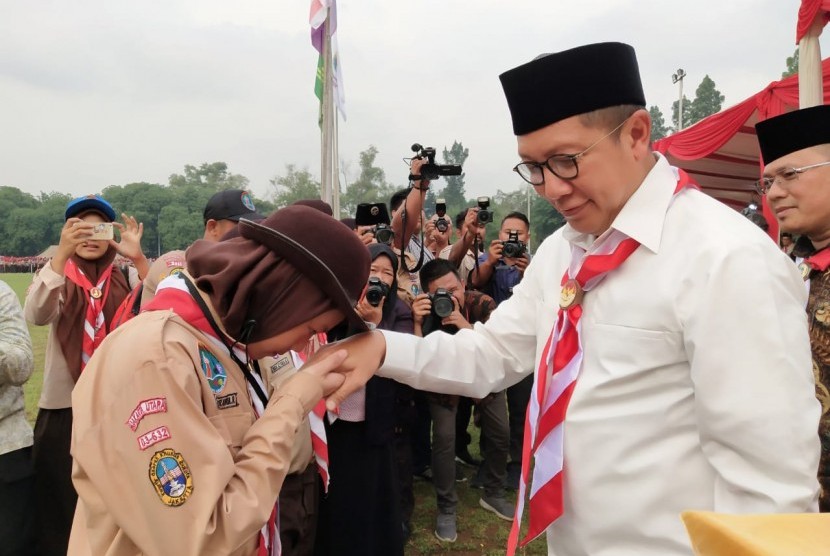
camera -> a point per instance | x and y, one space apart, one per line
441 223
442 303
383 234
431 170
513 248
485 216
376 291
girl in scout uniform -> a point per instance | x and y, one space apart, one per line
177 447
76 294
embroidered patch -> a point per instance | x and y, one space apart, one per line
281 362
213 370
226 402
171 477
247 201
153 437
146 407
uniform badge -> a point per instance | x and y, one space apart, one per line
153 437
805 270
96 293
213 370
374 211
146 407
226 402
171 477
247 201
571 294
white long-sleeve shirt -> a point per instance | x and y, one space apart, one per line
696 389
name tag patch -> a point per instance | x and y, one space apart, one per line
226 402
281 362
153 437
171 478
144 408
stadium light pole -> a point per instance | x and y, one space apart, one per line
678 78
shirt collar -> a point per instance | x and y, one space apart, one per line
643 215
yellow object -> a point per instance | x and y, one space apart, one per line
714 534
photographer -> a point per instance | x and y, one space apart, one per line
449 307
461 252
362 512
498 272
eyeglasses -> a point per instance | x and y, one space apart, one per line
563 166
763 185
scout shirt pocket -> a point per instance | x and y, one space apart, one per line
224 396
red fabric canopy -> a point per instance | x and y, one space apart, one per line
721 152
807 14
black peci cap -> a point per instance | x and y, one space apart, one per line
557 86
793 131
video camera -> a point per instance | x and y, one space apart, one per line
513 248
441 223
485 216
376 291
431 170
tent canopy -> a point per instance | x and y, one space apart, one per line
721 152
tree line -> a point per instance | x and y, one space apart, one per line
172 213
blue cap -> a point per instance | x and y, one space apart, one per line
87 203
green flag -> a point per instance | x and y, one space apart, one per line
319 84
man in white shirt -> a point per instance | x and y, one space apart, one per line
690 377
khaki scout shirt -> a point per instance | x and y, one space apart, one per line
168 455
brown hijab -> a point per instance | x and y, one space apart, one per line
281 272
247 281
69 328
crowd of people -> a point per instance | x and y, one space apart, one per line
274 388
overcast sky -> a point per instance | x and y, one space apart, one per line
108 92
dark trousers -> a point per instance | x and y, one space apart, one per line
462 423
299 500
17 503
518 396
421 447
55 497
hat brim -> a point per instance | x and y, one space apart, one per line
307 263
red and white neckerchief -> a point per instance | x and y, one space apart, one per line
555 380
95 327
818 261
172 293
319 441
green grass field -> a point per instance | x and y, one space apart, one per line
479 532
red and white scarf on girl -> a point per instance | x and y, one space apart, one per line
319 442
172 293
555 380
95 327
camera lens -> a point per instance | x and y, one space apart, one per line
442 306
442 225
485 216
384 235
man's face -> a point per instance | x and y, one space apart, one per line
215 229
514 225
802 205
592 200
452 284
786 241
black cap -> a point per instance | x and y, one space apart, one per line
787 133
231 204
557 86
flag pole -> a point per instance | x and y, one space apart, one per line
326 130
335 197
